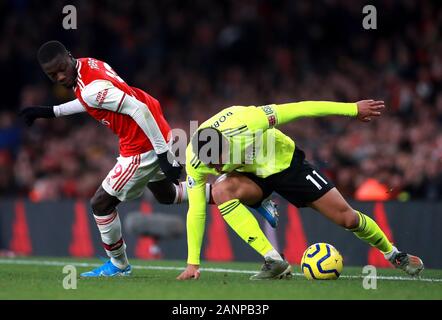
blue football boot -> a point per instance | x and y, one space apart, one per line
268 210
108 270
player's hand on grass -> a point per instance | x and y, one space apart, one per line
367 109
32 113
171 168
192 272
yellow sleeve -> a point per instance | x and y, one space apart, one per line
196 215
278 114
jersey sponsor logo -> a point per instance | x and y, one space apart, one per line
221 119
190 182
101 96
105 122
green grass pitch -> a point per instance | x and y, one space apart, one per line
42 278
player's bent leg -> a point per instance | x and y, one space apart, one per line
333 206
103 203
242 221
165 192
230 193
109 225
237 186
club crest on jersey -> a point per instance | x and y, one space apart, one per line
92 63
117 171
190 182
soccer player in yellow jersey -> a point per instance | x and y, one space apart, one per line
256 159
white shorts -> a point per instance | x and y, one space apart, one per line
130 175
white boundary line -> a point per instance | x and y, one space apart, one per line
85 264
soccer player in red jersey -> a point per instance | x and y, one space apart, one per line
144 136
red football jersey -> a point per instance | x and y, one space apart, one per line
133 140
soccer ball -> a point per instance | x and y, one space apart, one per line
321 261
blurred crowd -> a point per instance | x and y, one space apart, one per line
200 56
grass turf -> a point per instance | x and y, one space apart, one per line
28 279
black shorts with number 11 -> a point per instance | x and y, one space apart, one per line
300 184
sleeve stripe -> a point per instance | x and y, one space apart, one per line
121 102
236 132
194 159
196 165
230 130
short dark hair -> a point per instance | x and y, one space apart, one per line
210 139
49 50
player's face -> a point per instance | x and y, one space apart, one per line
61 70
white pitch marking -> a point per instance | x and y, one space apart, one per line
86 264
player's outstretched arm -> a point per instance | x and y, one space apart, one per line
364 110
30 114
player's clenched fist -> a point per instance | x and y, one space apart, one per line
32 113
170 167
192 272
368 109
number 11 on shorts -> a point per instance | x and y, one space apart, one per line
313 180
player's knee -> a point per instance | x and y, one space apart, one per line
223 192
95 204
164 193
100 205
350 218
164 197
